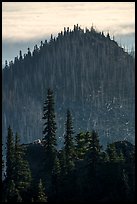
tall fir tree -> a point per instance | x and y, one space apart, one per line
49 131
10 191
69 143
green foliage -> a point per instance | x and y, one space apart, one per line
81 146
56 177
18 177
10 156
88 140
62 162
12 193
8 184
81 60
111 151
41 193
49 131
79 173
116 154
56 166
94 148
22 176
69 143
99 176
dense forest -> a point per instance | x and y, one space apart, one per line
81 171
90 74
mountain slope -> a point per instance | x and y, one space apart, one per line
88 72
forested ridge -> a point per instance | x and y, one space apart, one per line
89 73
81 171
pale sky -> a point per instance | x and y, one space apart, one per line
27 23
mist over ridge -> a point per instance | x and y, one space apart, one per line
88 72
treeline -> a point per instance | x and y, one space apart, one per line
18 175
81 171
88 71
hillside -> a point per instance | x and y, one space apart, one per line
88 72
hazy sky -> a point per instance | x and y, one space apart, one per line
27 23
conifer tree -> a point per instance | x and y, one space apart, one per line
2 162
62 162
108 36
49 131
19 177
121 157
81 145
10 156
111 151
56 176
6 64
94 149
56 167
11 192
29 53
88 140
113 155
22 176
20 55
69 144
9 185
95 146
41 193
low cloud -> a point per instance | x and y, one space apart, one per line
26 23
25 20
